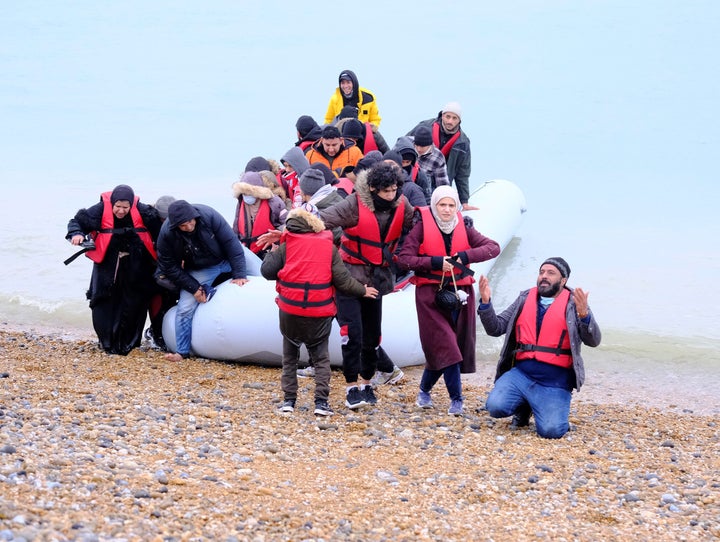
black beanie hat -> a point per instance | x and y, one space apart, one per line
122 192
348 112
423 136
561 265
305 125
258 164
394 156
353 129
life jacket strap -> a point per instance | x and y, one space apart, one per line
522 347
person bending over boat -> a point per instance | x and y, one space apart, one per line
122 284
307 269
439 249
540 362
195 246
372 218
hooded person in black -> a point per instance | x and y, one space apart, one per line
406 148
308 131
196 245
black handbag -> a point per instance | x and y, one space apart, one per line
446 298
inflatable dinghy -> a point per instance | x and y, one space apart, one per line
241 323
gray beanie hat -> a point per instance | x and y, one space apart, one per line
311 181
162 205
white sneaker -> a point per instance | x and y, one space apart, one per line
381 378
307 372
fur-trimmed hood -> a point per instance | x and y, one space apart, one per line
252 184
270 180
301 221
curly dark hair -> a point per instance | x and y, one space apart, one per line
384 174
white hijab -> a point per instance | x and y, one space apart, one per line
444 191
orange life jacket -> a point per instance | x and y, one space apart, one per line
304 284
362 244
104 235
433 244
248 235
436 140
553 344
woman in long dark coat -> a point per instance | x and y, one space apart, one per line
441 244
122 283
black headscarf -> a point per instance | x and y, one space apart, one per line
122 192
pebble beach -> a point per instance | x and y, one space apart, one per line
96 447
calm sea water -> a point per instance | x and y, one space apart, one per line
605 113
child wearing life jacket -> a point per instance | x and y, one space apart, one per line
307 269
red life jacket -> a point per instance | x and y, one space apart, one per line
345 184
104 235
370 144
305 144
290 182
414 171
362 244
304 284
261 225
553 344
436 140
433 244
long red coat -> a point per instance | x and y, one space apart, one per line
446 340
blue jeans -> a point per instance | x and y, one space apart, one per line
187 304
550 406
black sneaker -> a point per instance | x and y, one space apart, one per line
354 398
322 408
287 406
369 395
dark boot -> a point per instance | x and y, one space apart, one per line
521 418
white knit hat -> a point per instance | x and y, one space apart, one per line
453 107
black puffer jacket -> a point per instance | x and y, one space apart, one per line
212 242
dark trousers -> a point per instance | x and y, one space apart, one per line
314 334
360 320
451 374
